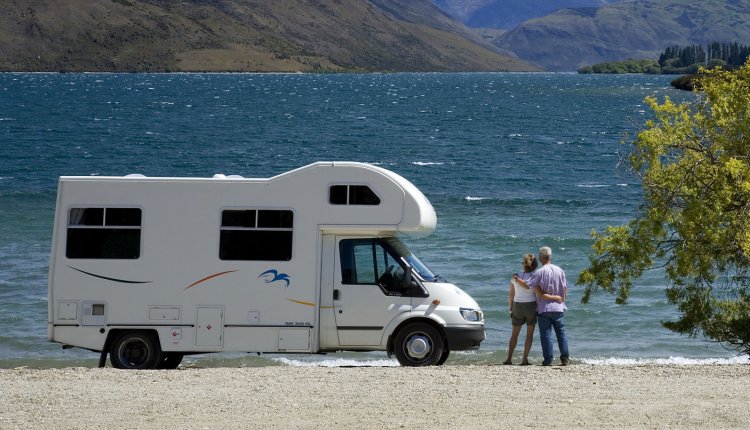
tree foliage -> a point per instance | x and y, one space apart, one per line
687 59
620 67
693 160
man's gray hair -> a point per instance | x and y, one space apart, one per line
545 253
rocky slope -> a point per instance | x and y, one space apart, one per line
507 14
239 35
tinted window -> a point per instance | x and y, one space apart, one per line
104 233
256 235
352 195
338 195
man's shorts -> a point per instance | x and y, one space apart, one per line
523 313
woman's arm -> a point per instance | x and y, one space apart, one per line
511 296
553 298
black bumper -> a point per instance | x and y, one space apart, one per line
464 336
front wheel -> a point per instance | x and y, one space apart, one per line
444 357
135 350
419 344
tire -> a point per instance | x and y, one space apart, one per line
444 357
135 350
170 360
419 344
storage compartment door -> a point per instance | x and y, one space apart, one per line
209 326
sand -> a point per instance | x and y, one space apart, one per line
447 397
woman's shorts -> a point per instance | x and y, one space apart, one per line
523 313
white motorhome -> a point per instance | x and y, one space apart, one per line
149 269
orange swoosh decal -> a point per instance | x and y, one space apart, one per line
209 277
301 302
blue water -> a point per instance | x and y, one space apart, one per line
511 162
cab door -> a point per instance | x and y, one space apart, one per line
367 290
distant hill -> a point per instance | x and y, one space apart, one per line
572 38
240 35
507 14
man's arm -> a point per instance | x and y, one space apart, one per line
521 282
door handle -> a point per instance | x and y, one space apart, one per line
336 294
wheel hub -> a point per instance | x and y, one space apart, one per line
418 346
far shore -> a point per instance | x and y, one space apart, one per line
449 397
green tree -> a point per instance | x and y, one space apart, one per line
693 160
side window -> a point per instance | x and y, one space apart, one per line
256 235
352 195
104 233
368 262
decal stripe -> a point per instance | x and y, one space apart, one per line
122 281
209 277
301 302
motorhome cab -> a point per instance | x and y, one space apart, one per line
149 269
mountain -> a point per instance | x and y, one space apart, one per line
240 35
507 14
569 39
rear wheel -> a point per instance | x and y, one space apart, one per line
135 350
170 360
419 344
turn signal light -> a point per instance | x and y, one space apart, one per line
436 302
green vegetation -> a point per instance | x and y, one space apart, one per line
693 161
620 67
677 60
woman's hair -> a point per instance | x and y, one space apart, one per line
529 263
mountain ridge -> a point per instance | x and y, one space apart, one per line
568 39
237 35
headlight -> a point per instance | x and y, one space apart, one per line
472 314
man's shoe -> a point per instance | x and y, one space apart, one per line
565 361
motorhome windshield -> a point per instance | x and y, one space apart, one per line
419 268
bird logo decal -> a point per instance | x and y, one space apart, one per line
273 275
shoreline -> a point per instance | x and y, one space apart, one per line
473 396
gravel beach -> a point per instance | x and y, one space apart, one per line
578 396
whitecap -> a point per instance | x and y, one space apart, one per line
336 362
683 361
475 199
592 185
427 163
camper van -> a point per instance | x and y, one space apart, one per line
149 269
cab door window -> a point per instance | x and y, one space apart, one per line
369 262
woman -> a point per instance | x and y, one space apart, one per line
522 303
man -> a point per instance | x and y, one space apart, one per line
551 290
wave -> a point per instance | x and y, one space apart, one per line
489 358
337 362
475 199
600 185
682 361
427 163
